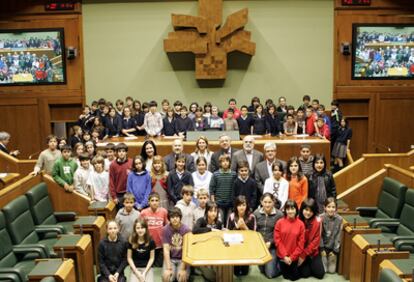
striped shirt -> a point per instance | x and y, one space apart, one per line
221 186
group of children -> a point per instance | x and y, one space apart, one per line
102 120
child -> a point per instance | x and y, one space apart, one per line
119 105
306 102
207 111
177 108
306 160
282 108
277 186
331 235
82 174
153 120
310 262
159 181
290 127
301 121
112 255
253 104
157 218
336 117
215 121
315 104
200 123
64 169
322 129
221 185
321 113
341 145
241 219
289 237
129 124
273 126
90 149
233 107
321 183
172 239
126 216
140 117
266 217
177 178
202 199
76 136
165 104
193 109
298 183
113 124
86 137
48 157
110 155
187 206
209 221
85 119
118 174
258 121
168 123
310 121
244 121
201 177
139 183
229 122
141 253
98 181
245 185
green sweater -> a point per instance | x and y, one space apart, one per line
63 171
221 185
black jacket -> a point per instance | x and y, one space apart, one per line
112 256
329 185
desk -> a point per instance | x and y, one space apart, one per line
8 179
286 146
105 209
375 257
95 227
402 267
79 248
208 250
61 270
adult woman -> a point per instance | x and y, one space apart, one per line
148 151
201 149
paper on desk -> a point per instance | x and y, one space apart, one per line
3 175
301 135
233 238
131 138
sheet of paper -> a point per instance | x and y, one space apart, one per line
233 238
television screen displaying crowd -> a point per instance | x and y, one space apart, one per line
384 54
23 60
292 203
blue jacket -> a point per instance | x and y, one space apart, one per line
139 184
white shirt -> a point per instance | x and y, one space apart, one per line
201 181
99 183
206 155
279 189
249 158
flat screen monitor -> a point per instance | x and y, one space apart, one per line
383 51
32 57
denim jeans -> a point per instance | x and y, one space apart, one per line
272 268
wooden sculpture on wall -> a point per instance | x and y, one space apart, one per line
209 40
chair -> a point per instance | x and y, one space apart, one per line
42 210
387 275
390 203
22 229
13 265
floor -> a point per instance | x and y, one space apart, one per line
254 275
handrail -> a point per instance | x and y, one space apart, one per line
362 183
349 157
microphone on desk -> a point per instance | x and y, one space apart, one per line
62 254
212 237
354 223
81 229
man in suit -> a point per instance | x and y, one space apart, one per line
225 148
4 140
263 169
249 154
177 150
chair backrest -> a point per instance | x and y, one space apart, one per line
406 227
391 199
387 275
7 256
40 205
19 221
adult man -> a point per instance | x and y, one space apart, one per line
4 140
177 150
225 148
263 169
249 154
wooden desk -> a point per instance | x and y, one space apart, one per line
61 270
95 227
107 210
8 179
393 265
348 233
286 146
79 248
375 257
208 249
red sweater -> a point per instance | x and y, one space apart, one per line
118 175
310 125
289 236
312 238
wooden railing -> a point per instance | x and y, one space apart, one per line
366 192
367 165
13 165
61 200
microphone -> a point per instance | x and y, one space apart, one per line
62 254
210 238
81 229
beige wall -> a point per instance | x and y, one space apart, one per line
124 55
